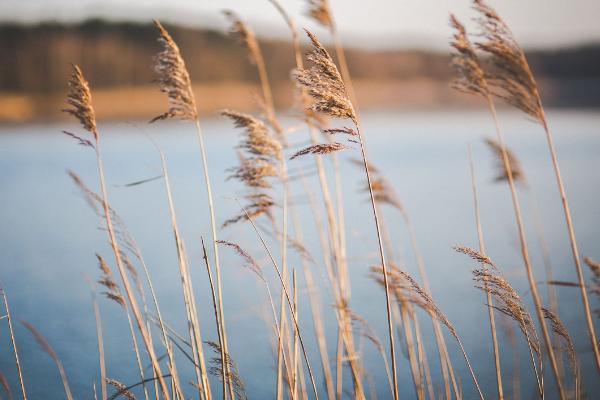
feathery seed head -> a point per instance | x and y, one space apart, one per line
511 77
325 84
471 78
79 98
518 174
244 34
319 11
174 79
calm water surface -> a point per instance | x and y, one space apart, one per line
49 235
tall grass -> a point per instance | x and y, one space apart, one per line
327 108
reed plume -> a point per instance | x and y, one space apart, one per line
216 369
319 11
513 81
79 98
325 84
120 388
324 148
502 174
43 343
245 35
568 347
249 262
173 79
475 255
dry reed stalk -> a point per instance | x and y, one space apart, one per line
193 325
80 100
485 260
325 85
473 80
174 80
514 83
43 343
128 242
14 344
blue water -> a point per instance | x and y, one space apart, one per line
49 235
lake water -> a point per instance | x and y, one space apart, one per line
49 235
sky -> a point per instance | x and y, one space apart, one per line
363 23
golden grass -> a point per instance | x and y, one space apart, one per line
326 92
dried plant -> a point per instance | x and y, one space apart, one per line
471 78
174 79
121 389
245 35
319 11
216 369
79 99
324 148
43 343
567 343
518 175
324 83
259 161
510 78
475 255
250 262
107 281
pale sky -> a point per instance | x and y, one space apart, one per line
367 23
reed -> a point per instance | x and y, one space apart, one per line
513 81
325 85
472 79
79 100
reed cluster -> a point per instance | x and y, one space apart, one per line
493 67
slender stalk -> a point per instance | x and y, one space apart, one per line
14 344
136 351
525 252
383 263
490 304
123 273
572 240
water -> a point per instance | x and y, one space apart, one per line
49 236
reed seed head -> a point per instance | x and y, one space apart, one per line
322 148
79 98
319 11
174 79
511 77
471 78
250 263
518 174
325 84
